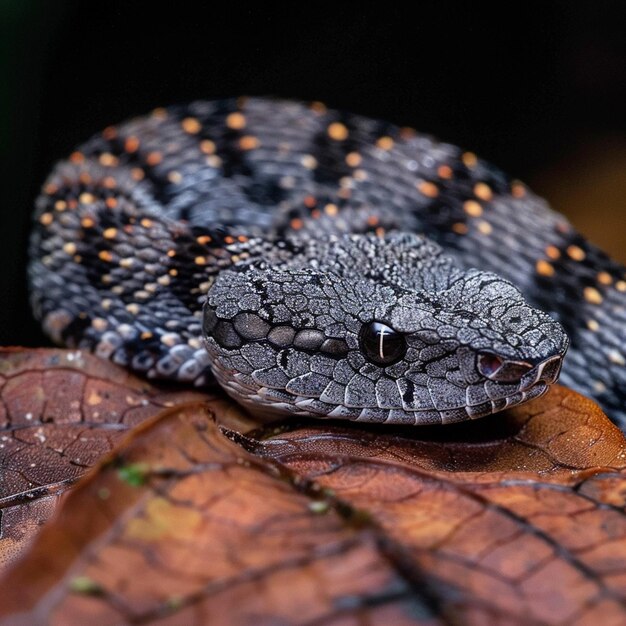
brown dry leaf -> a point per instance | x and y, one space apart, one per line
520 517
60 411
183 526
514 519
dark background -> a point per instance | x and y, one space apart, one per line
537 88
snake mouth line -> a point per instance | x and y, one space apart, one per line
495 406
269 403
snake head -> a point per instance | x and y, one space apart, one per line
377 330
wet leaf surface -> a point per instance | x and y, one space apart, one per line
204 516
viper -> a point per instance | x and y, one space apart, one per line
316 262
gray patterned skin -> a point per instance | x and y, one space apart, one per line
264 203
288 337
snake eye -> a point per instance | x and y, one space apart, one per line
381 344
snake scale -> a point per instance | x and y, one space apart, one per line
316 262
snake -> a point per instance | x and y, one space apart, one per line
314 262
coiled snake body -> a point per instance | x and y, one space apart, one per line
305 227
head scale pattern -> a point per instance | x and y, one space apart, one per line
376 329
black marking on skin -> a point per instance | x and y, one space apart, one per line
76 328
407 396
235 164
330 154
331 158
563 293
265 191
161 188
284 358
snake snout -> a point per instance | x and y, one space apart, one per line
545 372
499 369
527 374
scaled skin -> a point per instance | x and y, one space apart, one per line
286 337
134 228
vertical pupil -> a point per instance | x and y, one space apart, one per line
381 344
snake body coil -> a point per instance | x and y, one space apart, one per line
279 248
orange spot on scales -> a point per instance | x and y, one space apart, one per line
249 142
553 252
385 143
518 190
444 171
207 146
131 144
108 160
576 253
337 131
592 295
236 121
430 190
544 268
154 158
473 208
191 125
485 227
483 191
469 159
353 159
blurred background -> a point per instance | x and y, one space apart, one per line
539 89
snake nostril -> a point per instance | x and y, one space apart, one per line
501 370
